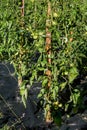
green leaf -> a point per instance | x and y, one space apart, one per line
26 93
43 63
62 85
73 73
22 91
44 82
66 107
41 68
58 121
34 74
24 100
39 95
75 96
57 118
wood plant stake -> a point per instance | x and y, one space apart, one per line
21 46
48 51
22 8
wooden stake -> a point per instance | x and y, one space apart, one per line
22 9
48 50
21 53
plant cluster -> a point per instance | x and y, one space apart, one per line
23 43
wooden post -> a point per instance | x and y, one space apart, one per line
48 51
21 46
71 38
22 9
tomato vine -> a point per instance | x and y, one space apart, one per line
67 29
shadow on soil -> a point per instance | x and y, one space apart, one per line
14 114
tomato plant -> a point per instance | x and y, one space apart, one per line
23 36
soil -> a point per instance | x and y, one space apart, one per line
13 112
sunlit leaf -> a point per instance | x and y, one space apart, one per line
73 73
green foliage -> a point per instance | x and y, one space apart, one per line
5 128
19 45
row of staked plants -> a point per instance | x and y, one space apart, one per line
23 44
